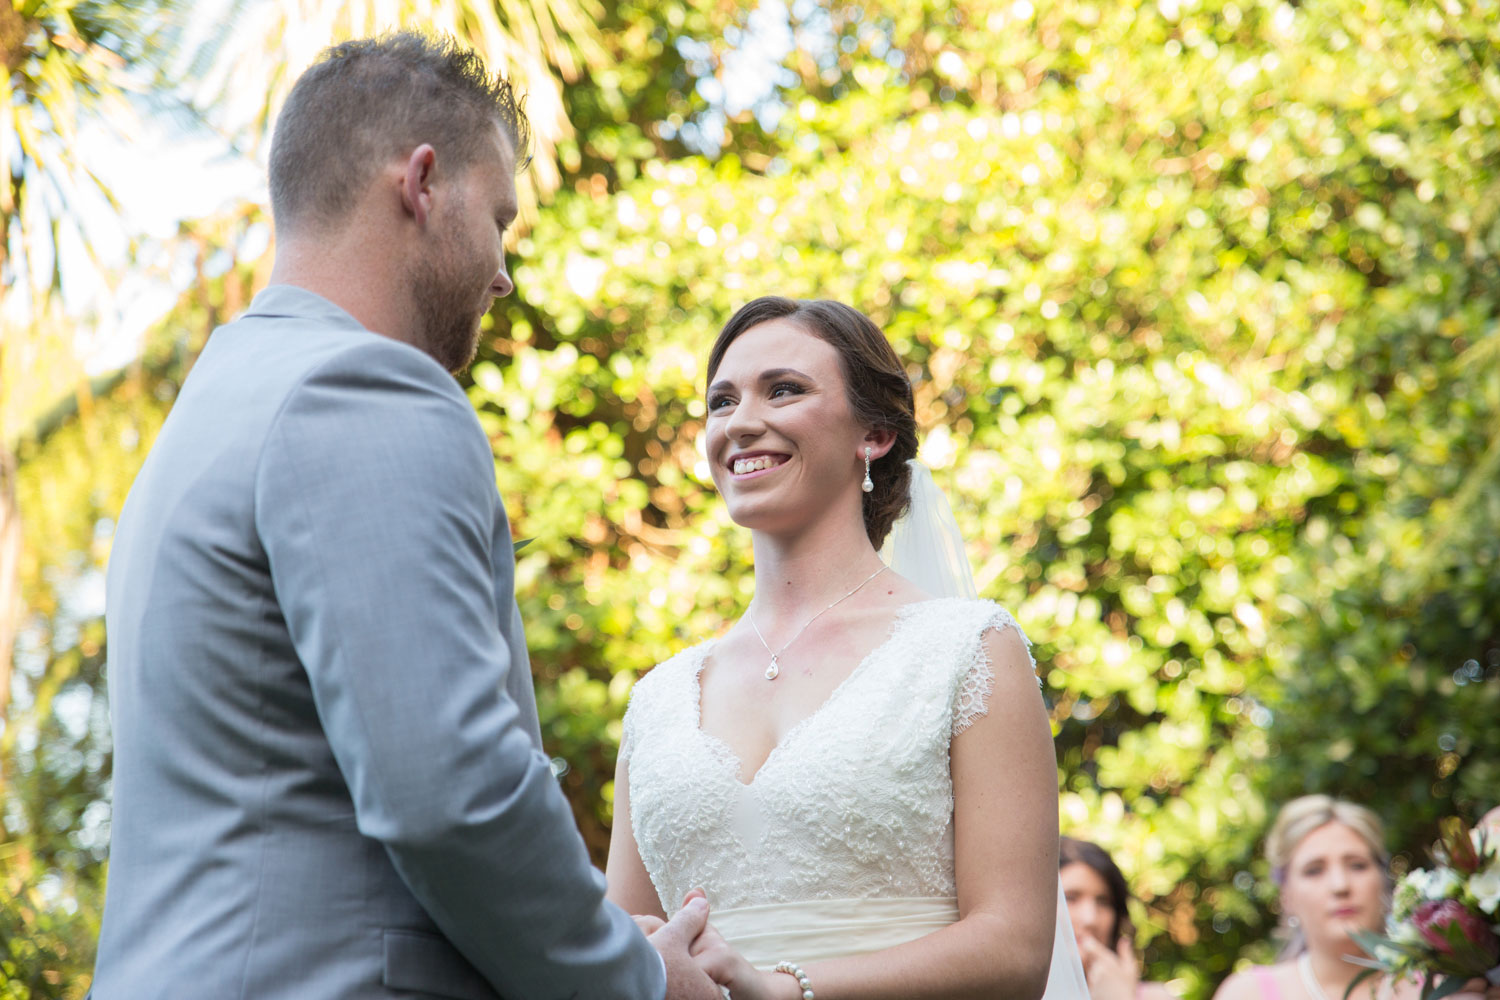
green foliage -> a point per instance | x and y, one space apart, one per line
54 748
1200 304
66 65
1201 321
48 926
54 745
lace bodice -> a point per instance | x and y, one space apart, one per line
855 802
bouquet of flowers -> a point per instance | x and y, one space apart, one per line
1444 926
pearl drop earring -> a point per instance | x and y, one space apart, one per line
869 484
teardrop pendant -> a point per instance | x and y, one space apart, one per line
772 670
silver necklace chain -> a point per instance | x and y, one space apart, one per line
773 669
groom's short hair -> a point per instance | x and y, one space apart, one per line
369 100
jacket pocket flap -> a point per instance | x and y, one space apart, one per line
427 963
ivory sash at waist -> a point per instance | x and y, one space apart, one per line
817 929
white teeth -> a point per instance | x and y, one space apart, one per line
744 465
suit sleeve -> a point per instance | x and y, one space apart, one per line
376 503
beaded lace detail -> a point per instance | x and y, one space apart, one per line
855 802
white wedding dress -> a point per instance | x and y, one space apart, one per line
842 842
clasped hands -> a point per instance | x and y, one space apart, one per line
701 965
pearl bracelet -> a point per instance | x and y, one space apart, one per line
793 969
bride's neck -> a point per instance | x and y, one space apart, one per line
796 574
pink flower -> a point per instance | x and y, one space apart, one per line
1437 921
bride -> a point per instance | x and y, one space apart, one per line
859 775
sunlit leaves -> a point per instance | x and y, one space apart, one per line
1199 300
1184 319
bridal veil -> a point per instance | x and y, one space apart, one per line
926 547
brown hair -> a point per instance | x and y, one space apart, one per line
371 99
1082 852
876 385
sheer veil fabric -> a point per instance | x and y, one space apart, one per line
926 547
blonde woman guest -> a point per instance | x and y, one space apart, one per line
1098 900
1329 858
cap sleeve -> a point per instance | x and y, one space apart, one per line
657 699
977 680
635 710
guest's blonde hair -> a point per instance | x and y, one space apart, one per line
1302 816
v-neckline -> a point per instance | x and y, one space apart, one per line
732 759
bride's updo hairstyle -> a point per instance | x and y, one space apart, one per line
874 380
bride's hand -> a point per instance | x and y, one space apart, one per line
730 970
648 924
742 980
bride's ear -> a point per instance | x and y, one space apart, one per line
879 440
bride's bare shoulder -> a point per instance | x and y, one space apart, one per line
892 591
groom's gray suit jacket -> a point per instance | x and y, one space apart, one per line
328 777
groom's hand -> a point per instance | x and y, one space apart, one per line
685 981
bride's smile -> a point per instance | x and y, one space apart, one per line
747 465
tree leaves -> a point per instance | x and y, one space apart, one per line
1199 302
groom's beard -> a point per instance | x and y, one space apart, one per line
449 308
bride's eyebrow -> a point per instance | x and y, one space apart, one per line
775 373
770 375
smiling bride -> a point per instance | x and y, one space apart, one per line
859 775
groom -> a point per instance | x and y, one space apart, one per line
328 777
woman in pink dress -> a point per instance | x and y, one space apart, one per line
1329 858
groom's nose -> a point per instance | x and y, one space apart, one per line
501 286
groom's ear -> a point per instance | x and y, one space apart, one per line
416 183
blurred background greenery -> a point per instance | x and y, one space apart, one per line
1199 298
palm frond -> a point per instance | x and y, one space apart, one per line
537 44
